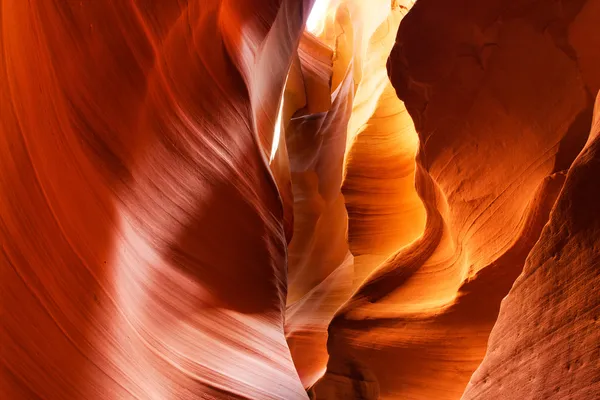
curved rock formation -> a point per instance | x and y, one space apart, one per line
202 199
379 161
143 249
418 327
319 262
546 343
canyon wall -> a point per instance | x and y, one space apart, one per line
501 96
546 342
143 238
205 200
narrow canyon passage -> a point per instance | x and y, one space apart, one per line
293 199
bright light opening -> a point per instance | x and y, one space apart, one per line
316 20
277 132
315 25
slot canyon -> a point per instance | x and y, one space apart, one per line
300 199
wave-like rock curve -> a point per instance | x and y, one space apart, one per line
201 199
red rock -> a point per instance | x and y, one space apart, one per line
143 248
199 199
501 108
546 342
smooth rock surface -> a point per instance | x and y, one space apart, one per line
501 108
546 342
143 248
216 199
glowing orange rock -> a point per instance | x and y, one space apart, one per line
320 263
322 273
496 137
200 200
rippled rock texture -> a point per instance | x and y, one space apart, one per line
143 238
202 199
546 342
502 107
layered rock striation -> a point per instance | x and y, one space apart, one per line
204 200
